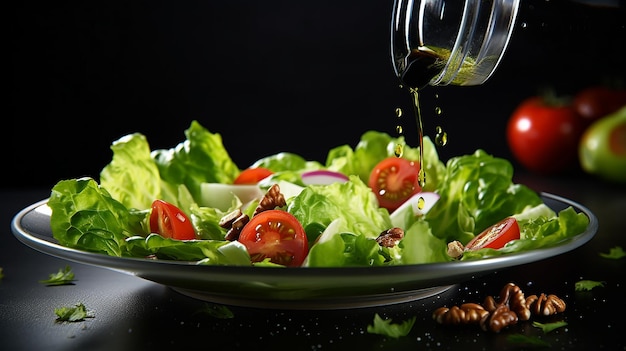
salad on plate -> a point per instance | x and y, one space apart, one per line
363 206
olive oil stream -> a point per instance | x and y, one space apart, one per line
422 66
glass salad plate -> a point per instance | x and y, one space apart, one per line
296 288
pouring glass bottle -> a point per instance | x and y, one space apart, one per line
439 42
458 42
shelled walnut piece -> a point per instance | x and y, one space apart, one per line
390 237
545 305
272 199
495 315
236 220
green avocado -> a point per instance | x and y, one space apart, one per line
602 148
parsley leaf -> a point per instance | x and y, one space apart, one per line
527 340
75 313
548 327
217 311
62 277
586 285
614 253
393 330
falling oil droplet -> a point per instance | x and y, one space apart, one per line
398 150
441 137
399 130
421 178
421 203
398 112
438 111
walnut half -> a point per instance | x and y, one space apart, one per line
390 237
272 199
545 305
497 320
234 222
467 313
495 315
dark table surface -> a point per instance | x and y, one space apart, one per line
131 313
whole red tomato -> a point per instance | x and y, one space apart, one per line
543 136
595 102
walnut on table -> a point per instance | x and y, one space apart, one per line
511 296
494 315
545 305
499 319
467 313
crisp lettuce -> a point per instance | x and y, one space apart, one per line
201 158
349 238
342 220
210 252
477 191
86 217
174 175
374 147
419 245
338 248
325 203
132 164
286 161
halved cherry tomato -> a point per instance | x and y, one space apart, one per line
277 235
394 180
252 175
169 221
496 236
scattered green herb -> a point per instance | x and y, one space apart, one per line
586 285
386 327
62 277
527 340
75 313
217 311
548 327
614 253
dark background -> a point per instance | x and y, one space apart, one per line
269 76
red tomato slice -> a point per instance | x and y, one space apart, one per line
277 235
496 236
169 221
252 175
394 180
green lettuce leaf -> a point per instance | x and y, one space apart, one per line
386 327
476 192
210 252
352 201
286 161
132 164
374 147
86 217
201 158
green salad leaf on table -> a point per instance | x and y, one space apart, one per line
342 219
